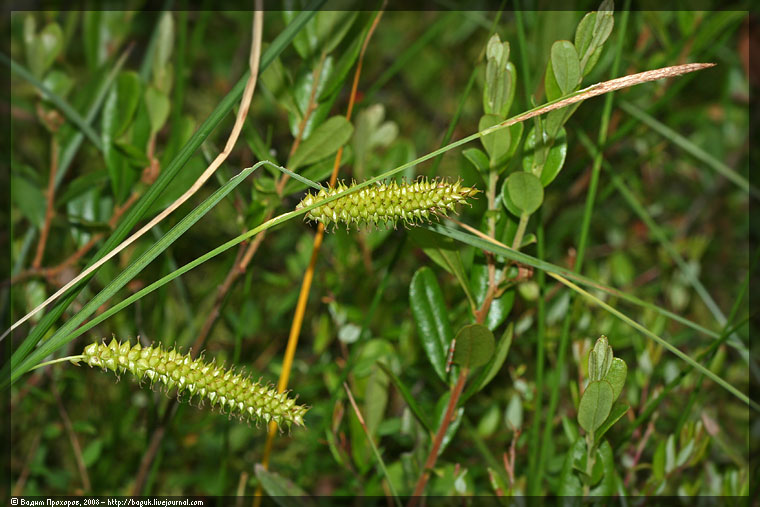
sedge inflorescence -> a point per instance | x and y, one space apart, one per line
412 203
232 392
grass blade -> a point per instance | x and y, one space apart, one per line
71 114
408 398
552 268
166 176
372 444
63 335
715 378
554 272
660 235
691 148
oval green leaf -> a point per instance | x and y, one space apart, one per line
158 106
432 318
616 376
323 142
566 66
474 345
595 405
524 192
554 162
121 104
477 158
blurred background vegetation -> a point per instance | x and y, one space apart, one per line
143 82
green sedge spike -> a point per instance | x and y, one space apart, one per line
412 203
225 389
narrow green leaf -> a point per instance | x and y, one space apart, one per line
375 399
566 66
616 376
499 88
63 334
670 454
555 159
685 453
500 307
92 452
332 26
603 23
514 413
584 33
432 318
42 48
440 411
497 144
161 65
474 345
419 414
323 142
158 105
599 359
445 253
595 405
658 461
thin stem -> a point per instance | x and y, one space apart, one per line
73 359
517 242
372 443
440 434
50 206
86 485
540 346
